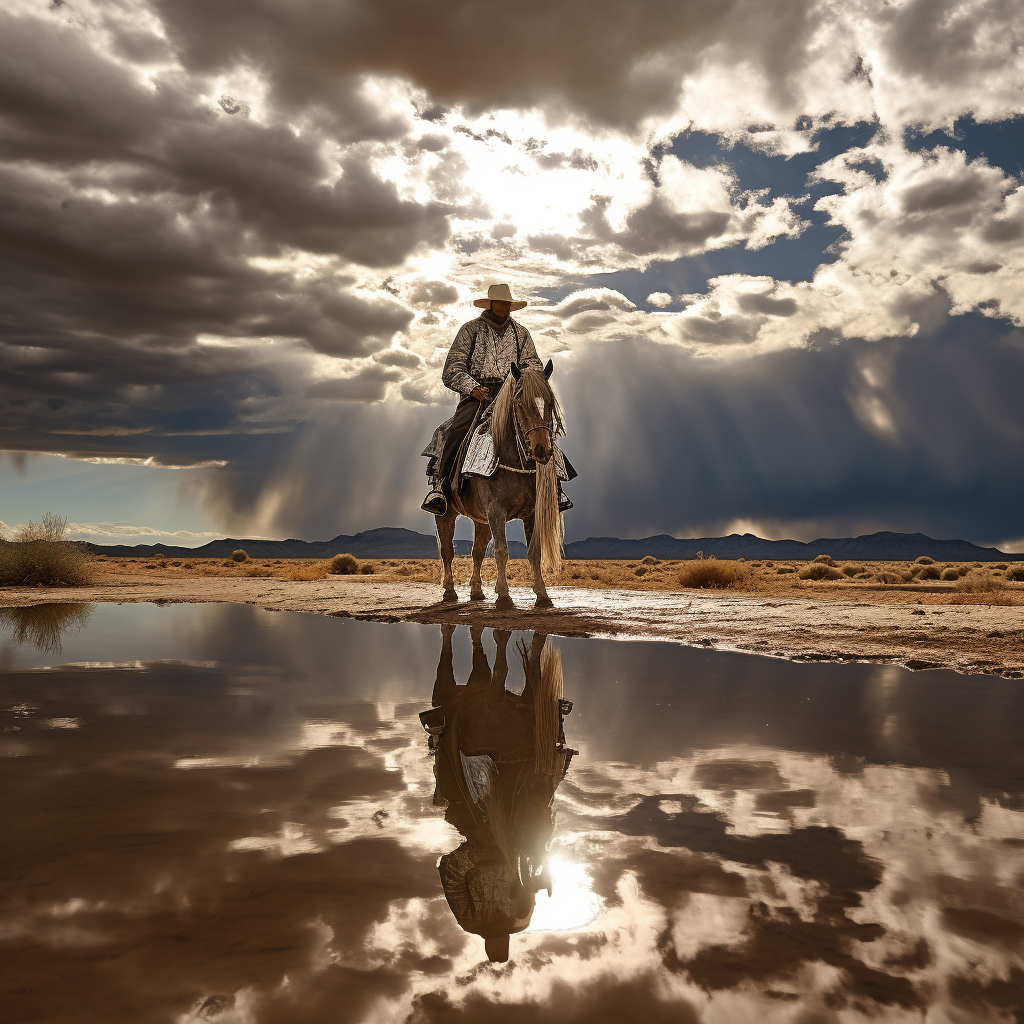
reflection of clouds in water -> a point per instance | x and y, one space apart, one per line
739 881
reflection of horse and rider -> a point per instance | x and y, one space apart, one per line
496 458
499 757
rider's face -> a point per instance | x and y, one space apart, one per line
501 308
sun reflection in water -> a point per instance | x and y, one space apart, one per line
572 903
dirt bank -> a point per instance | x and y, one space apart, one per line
925 625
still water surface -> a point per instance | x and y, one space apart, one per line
213 812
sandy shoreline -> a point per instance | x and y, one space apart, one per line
832 622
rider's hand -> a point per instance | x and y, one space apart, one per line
481 394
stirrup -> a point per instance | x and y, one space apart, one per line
435 503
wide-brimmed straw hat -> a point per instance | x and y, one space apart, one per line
499 293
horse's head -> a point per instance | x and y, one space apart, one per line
534 411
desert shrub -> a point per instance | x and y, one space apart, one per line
863 576
783 569
176 563
924 560
239 556
188 565
640 570
820 571
45 625
40 556
888 577
769 565
595 575
650 560
1000 565
343 565
712 574
1015 573
979 585
949 574
852 570
929 572
367 569
824 559
158 554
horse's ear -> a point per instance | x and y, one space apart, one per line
549 368
516 372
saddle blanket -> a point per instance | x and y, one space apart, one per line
480 458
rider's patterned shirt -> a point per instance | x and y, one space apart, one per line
483 352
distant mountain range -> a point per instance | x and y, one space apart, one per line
390 542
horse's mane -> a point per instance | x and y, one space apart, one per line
532 384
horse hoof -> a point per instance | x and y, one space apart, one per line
450 595
544 602
505 604
476 595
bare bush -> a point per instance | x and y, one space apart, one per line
239 555
45 625
1015 573
343 565
40 556
924 560
820 571
824 559
712 574
950 574
368 569
929 572
650 560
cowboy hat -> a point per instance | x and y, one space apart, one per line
498 293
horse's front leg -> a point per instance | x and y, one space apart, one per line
446 542
496 520
481 535
543 601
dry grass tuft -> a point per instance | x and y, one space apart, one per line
824 560
238 555
929 572
367 569
821 571
1000 565
924 560
979 585
1015 573
712 574
640 570
308 571
343 565
888 577
783 569
852 570
40 556
950 574
650 560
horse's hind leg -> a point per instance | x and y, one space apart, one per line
481 536
543 601
496 520
446 542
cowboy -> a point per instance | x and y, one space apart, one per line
480 359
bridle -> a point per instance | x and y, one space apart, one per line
523 435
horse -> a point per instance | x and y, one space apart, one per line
525 419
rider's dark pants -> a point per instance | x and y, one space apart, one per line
461 422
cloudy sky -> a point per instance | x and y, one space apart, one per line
775 251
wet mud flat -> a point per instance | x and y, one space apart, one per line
217 813
814 626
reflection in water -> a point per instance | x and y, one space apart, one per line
221 814
498 759
45 625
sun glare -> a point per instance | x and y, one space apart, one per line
572 903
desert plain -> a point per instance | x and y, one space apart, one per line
922 614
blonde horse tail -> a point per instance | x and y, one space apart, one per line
548 758
548 525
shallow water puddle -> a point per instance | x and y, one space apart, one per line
218 813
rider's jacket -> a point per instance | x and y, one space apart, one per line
483 352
